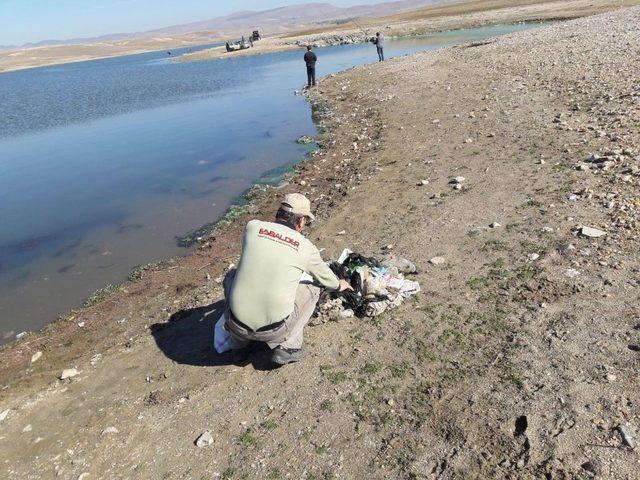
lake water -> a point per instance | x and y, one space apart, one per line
103 164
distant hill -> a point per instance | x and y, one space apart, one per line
293 16
276 20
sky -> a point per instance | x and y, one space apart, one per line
27 21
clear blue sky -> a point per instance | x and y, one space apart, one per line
24 21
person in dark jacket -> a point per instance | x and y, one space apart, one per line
379 43
310 59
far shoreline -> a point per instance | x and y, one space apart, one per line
412 23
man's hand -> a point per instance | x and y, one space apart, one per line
344 285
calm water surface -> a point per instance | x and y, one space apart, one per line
103 164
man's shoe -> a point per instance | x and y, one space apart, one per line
283 356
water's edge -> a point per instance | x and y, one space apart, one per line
240 207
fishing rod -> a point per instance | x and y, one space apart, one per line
361 29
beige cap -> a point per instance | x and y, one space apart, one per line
298 204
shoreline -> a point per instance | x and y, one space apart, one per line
504 328
421 21
87 58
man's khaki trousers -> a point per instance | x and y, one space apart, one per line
287 335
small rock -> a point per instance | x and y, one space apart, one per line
533 257
437 261
591 232
109 430
20 335
204 440
566 249
36 356
495 225
627 435
611 377
457 180
422 183
571 273
591 466
28 428
3 415
341 232
402 264
69 373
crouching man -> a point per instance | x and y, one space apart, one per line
265 299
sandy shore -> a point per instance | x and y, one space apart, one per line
519 359
22 59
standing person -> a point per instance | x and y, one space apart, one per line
379 43
266 301
310 59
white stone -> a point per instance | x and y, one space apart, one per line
533 257
437 261
592 232
36 356
3 415
109 430
423 182
495 225
204 440
69 373
571 273
28 428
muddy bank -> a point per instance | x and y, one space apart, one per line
518 360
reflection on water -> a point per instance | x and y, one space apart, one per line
104 163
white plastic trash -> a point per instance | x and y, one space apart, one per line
221 338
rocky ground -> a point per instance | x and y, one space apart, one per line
516 163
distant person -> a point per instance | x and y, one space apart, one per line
310 59
379 43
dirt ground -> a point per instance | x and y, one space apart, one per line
518 360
